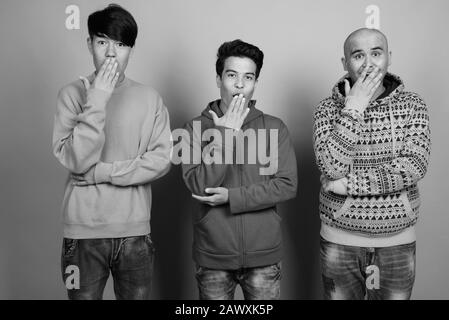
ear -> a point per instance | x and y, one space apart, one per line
389 58
343 61
218 79
89 45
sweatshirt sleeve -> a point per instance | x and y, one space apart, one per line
404 170
280 187
147 167
197 174
336 132
78 136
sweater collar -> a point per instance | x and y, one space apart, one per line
393 87
215 106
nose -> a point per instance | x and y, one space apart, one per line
368 62
239 83
110 53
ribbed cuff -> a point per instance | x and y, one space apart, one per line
102 172
353 114
236 200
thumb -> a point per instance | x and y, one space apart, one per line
245 113
347 88
85 82
211 190
214 116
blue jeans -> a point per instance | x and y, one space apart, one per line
357 273
259 283
130 260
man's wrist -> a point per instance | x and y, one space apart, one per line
353 113
102 173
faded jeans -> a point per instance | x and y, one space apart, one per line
258 283
357 273
130 260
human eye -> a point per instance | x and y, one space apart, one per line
376 54
121 44
101 42
358 56
250 77
230 75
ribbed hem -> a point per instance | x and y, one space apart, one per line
234 262
118 230
346 238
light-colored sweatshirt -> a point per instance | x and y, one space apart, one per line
125 139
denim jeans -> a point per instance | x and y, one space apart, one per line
130 260
258 283
359 273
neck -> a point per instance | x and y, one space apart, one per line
120 79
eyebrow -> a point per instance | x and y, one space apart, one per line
230 70
372 49
356 51
105 37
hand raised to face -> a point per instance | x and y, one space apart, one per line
359 96
106 78
234 116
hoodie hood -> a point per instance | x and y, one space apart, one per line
393 87
215 107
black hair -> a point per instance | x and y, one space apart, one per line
115 23
238 48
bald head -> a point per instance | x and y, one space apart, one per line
362 33
366 48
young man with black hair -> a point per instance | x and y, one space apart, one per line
113 135
237 231
372 146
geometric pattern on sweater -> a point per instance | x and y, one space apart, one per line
383 153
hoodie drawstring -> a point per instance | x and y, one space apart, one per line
393 135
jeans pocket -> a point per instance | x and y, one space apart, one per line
68 247
276 267
149 242
198 269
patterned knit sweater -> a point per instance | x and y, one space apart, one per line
383 153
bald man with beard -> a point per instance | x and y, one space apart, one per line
372 146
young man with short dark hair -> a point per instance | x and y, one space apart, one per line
237 231
372 146
113 135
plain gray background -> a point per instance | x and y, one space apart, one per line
175 53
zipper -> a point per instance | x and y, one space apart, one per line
240 223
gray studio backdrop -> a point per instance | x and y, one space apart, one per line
175 53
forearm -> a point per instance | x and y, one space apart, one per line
147 167
404 170
200 170
280 187
261 195
402 173
334 143
78 138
